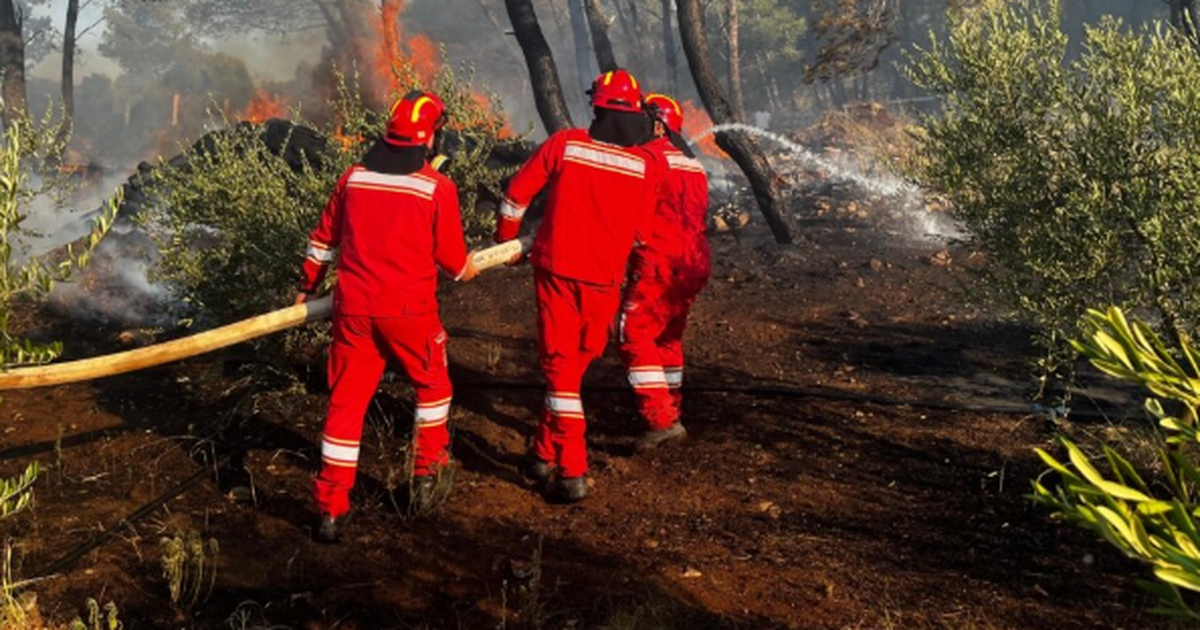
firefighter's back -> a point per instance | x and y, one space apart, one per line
595 203
387 265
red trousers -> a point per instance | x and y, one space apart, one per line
653 319
574 319
357 358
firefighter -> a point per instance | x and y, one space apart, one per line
394 220
599 186
666 273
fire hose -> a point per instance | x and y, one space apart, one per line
210 340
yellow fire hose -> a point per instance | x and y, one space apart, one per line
207 341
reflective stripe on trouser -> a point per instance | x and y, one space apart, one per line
653 319
357 357
574 319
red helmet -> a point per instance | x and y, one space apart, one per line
666 110
616 90
415 119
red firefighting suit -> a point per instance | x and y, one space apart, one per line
394 231
666 273
599 199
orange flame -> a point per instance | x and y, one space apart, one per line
696 121
345 142
264 106
424 57
402 61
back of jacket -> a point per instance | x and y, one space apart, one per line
393 231
599 199
677 243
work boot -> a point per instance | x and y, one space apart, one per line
425 496
653 438
568 490
330 529
536 468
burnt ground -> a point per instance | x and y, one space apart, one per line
801 511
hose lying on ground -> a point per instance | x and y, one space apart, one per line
207 341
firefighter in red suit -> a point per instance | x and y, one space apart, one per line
666 273
394 221
600 189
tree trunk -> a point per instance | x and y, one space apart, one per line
669 48
738 145
583 48
600 42
735 61
12 61
547 91
68 62
634 40
495 20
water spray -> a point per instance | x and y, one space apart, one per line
885 186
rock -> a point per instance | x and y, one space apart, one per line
876 265
940 259
692 573
720 225
856 320
741 219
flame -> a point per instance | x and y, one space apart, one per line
263 106
400 62
696 121
424 57
346 143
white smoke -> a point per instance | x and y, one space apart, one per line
909 200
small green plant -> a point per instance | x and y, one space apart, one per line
108 619
16 494
189 566
1151 518
16 610
1077 177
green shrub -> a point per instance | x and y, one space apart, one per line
1079 179
1149 515
28 148
232 222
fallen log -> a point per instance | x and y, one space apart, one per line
207 341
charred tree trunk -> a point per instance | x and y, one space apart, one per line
547 90
583 49
12 61
738 145
634 37
68 63
600 42
669 48
495 20
735 61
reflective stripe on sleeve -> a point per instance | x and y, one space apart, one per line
318 252
674 377
510 210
